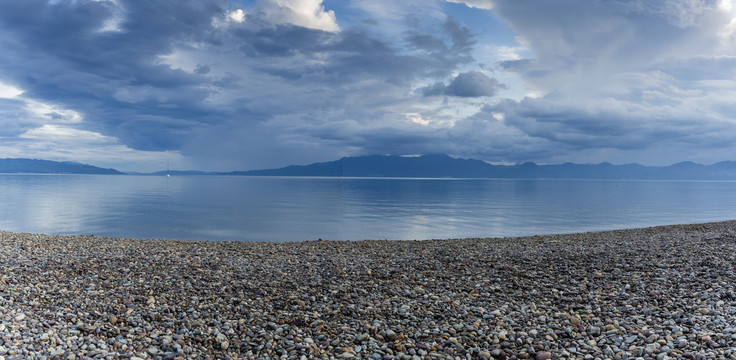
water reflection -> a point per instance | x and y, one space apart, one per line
282 209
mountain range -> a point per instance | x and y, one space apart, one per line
34 166
426 166
443 166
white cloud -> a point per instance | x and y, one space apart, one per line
417 118
117 17
237 16
64 143
8 91
686 13
504 53
46 112
726 5
307 13
390 10
480 4
591 55
179 59
60 133
623 79
41 130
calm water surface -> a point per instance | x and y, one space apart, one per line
287 209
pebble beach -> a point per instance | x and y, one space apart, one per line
656 293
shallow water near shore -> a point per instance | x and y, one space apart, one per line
291 209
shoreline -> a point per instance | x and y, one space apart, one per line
652 293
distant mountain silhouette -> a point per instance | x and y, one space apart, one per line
182 172
50 167
444 166
426 166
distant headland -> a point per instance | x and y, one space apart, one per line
444 166
35 166
425 166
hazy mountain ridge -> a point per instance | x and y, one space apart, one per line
35 166
426 166
444 166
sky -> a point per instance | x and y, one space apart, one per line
237 85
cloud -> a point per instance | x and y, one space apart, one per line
618 78
481 4
191 77
276 82
59 133
8 91
307 13
63 143
468 84
608 81
483 135
393 14
237 15
472 84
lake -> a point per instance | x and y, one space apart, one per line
291 208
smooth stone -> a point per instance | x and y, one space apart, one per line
594 330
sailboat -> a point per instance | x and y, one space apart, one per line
167 170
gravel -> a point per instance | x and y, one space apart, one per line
656 293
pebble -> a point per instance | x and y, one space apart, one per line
656 293
152 351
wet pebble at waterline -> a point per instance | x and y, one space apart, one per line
658 293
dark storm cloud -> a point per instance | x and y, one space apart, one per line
70 32
119 81
60 53
355 53
469 84
189 76
426 42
